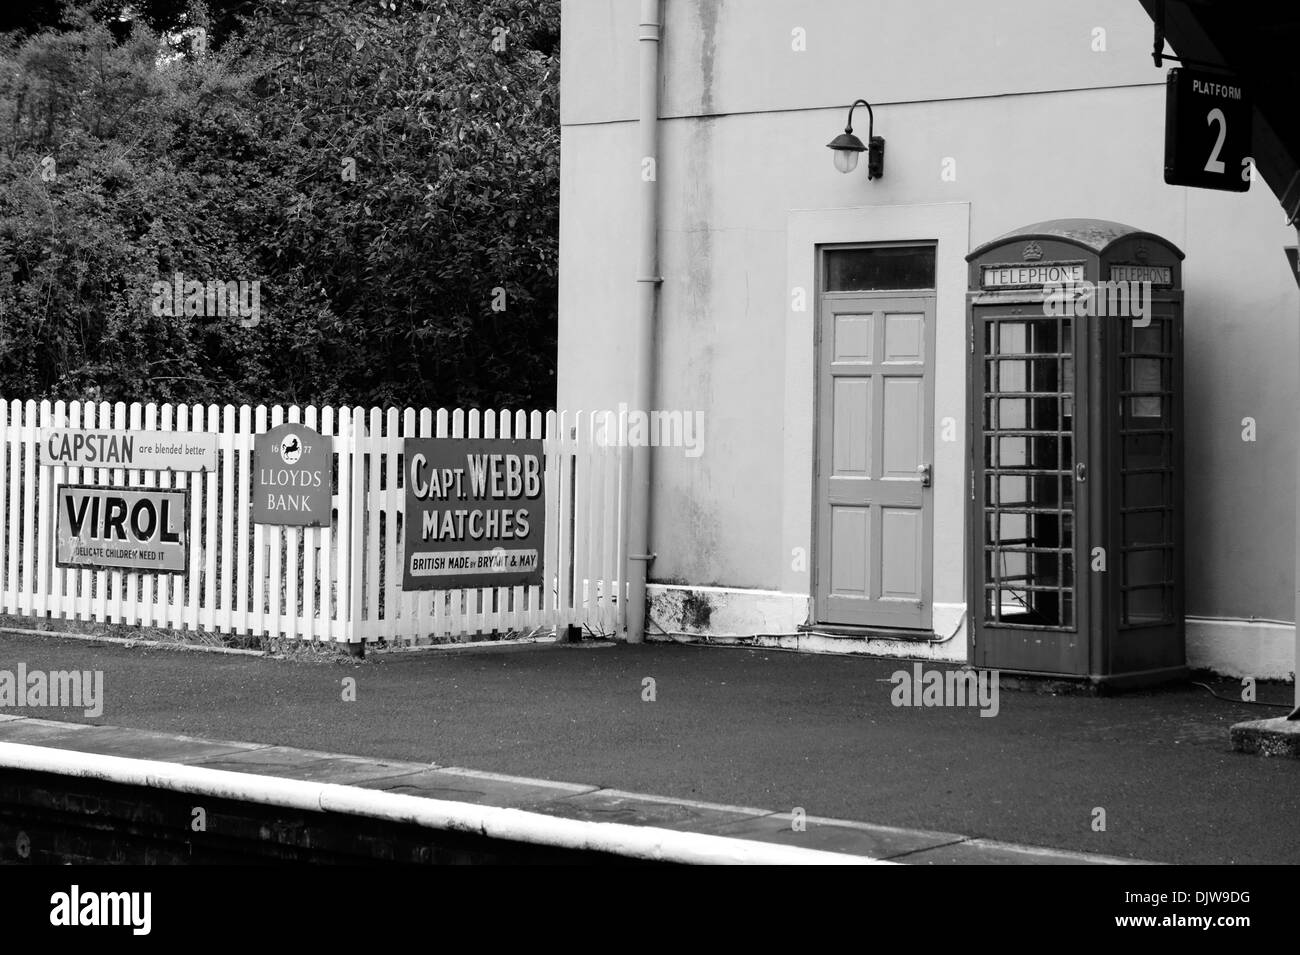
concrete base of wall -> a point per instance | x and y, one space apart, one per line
1240 648
773 618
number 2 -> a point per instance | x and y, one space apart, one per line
1214 163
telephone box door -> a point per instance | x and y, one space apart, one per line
1029 403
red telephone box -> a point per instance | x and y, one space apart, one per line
1075 513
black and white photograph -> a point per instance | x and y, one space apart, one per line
650 432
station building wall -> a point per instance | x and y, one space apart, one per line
1033 114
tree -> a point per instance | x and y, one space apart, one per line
120 16
423 145
388 178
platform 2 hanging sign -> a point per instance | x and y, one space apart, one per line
292 477
1208 126
475 513
114 528
131 450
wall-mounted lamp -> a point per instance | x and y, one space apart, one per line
847 146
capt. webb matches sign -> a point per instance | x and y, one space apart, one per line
475 513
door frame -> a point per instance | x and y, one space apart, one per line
930 297
947 224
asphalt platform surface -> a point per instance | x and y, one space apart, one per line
744 727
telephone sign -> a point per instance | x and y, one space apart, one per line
1207 131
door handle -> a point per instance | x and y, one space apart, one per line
926 475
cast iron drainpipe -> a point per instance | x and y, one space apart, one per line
648 282
1290 199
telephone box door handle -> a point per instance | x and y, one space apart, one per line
1081 472
924 471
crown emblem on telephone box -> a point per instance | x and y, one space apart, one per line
1033 252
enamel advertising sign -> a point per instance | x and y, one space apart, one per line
131 450
292 477
475 513
115 528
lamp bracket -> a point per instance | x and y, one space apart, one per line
871 118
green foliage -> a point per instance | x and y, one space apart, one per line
231 163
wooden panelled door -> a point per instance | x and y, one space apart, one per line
875 422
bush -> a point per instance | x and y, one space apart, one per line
386 177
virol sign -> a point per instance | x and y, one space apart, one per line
121 528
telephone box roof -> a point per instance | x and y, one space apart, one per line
1095 235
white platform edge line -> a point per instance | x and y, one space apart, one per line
586 789
1047 851
637 842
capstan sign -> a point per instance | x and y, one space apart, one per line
131 450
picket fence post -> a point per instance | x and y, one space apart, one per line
357 535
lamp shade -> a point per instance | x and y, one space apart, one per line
846 146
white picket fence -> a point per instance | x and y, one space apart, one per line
339 583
